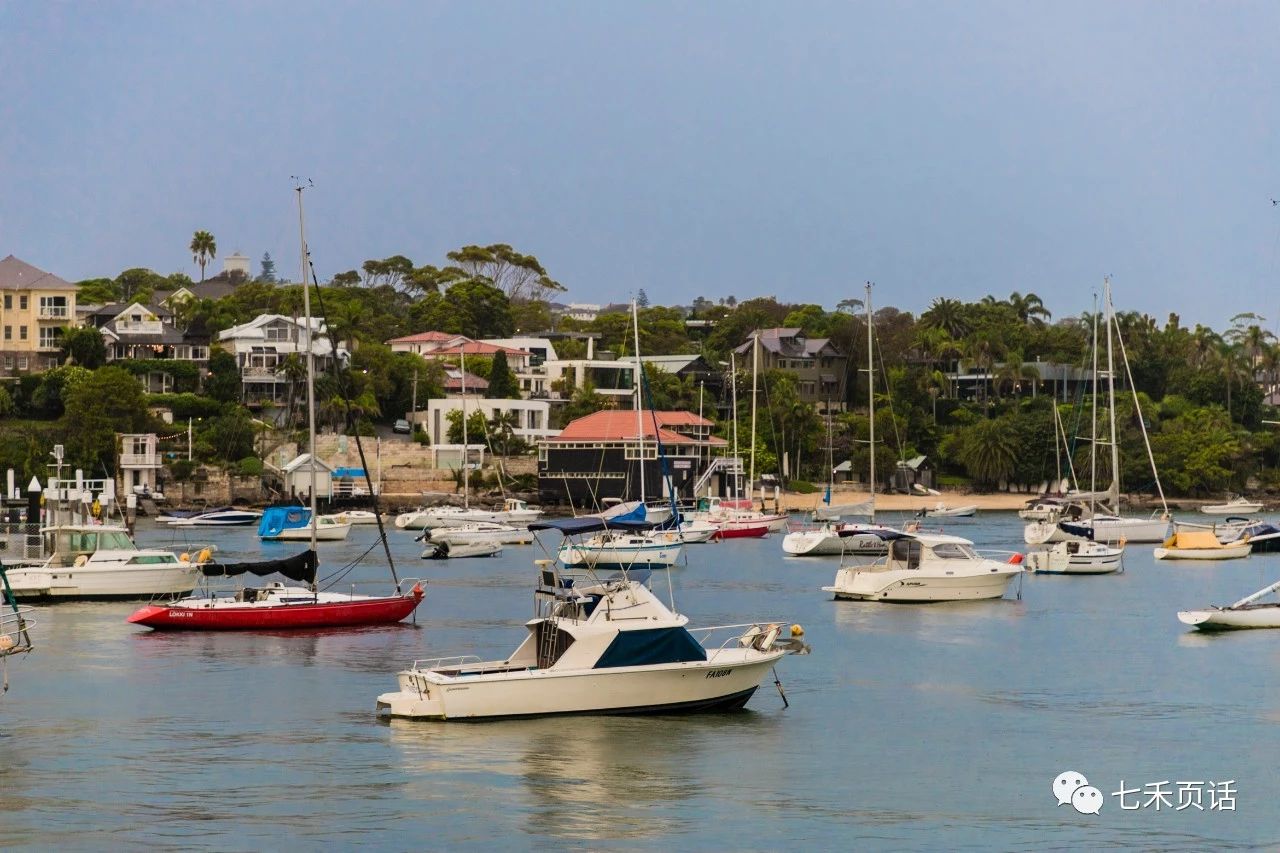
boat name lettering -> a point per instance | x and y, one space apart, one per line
718 673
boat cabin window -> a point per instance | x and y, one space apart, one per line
906 551
953 551
153 559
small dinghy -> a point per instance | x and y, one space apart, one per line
442 550
1245 613
941 510
1201 545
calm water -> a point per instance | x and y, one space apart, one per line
909 726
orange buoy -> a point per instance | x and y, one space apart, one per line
1016 559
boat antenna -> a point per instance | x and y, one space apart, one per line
311 370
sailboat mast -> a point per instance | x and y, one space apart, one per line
1114 491
871 403
733 399
466 452
1093 430
639 383
311 367
755 376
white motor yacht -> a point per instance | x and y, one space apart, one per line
514 511
102 561
598 645
480 531
611 543
294 524
1237 505
224 516
927 567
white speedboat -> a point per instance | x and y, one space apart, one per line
1076 558
1201 545
1237 505
224 516
690 532
579 657
294 524
443 550
480 531
927 567
102 561
941 510
832 540
1245 613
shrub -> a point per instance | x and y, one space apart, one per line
249 466
182 469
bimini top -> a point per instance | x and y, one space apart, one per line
576 526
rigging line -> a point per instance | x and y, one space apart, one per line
1137 409
893 417
344 392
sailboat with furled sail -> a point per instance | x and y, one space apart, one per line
276 605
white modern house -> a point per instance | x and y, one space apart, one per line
262 345
532 417
532 373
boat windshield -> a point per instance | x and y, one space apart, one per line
953 551
89 541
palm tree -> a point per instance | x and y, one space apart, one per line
1012 373
948 315
203 248
990 451
1030 308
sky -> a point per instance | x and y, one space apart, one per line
721 148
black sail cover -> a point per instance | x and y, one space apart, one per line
300 567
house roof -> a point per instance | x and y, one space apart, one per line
451 344
620 425
252 331
453 381
16 274
789 342
675 363
301 460
115 309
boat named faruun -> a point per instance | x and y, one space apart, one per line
600 644
927 567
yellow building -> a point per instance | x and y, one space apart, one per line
35 308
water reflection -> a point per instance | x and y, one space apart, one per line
586 778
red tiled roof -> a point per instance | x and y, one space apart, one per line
424 337
453 382
620 425
452 344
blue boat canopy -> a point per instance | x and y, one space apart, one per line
593 524
885 534
348 473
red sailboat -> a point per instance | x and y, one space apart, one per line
275 606
742 528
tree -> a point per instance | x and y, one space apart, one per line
7 407
476 427
502 382
989 451
203 248
223 381
516 275
138 284
268 269
97 291
389 272
472 308
105 402
642 299
948 315
83 345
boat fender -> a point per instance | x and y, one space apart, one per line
1016 559
765 641
184 557
7 642
81 560
204 555
417 590
797 630
750 635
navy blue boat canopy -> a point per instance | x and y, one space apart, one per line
885 534
576 526
648 646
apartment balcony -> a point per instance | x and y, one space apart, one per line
139 460
53 312
261 374
48 345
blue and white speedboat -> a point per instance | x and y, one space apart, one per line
223 516
620 542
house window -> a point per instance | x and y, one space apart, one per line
633 452
50 338
22 303
278 333
53 307
22 363
8 333
22 333
8 302
8 362
542 453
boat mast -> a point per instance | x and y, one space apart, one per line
311 370
1114 492
466 453
733 395
1093 434
639 383
871 405
1142 424
755 375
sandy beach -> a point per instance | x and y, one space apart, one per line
908 503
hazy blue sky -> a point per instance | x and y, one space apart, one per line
794 149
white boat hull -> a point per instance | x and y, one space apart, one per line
1104 530
1231 509
1059 560
952 512
624 556
335 532
1226 552
470 549
105 581
908 585
1228 619
469 536
725 681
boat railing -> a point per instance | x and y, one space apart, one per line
16 623
445 662
743 629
